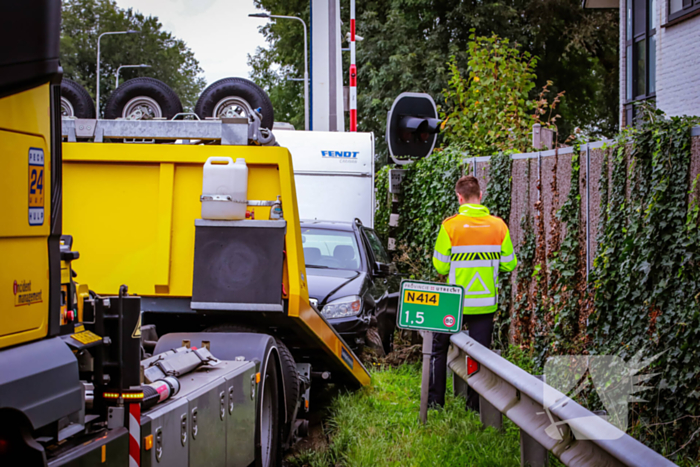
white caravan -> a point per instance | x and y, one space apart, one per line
333 173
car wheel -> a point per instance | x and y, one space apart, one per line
143 99
374 342
385 327
75 100
235 97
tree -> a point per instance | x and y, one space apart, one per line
283 59
407 46
490 109
171 60
287 96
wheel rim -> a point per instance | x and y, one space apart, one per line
142 108
266 423
232 106
66 108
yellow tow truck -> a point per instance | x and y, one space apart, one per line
132 331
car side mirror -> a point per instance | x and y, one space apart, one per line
382 269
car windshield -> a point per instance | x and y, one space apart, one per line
332 249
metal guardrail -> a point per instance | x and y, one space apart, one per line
505 389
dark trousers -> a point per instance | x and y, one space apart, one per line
480 329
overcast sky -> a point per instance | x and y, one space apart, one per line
219 32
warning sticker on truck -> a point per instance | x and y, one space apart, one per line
137 330
24 294
86 337
36 186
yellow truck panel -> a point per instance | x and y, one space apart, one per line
25 193
155 206
27 112
93 202
133 207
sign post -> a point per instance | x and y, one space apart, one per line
425 376
396 176
429 307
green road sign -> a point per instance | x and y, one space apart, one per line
428 306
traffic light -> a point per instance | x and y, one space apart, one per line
412 126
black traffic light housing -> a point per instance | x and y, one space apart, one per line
412 126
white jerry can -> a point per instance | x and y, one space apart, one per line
224 189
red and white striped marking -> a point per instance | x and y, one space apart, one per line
353 70
134 435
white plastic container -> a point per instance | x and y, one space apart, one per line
224 189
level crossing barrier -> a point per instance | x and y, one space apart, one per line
504 389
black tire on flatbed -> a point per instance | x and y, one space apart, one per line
75 100
144 87
245 92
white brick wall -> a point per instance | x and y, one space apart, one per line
678 66
677 63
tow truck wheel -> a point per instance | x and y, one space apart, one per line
289 367
75 100
17 446
143 99
268 431
234 97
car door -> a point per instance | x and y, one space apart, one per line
385 286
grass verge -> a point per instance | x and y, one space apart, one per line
378 426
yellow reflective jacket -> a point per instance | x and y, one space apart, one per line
472 247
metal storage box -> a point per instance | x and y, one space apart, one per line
238 265
210 422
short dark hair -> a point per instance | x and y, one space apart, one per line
468 187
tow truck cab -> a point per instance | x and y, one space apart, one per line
76 385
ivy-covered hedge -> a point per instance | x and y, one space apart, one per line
498 200
646 278
428 198
643 293
383 200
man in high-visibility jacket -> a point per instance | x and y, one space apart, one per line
471 247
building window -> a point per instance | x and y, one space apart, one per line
680 8
640 48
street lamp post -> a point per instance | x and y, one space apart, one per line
97 91
306 61
116 85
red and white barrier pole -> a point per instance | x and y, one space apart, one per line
134 435
353 70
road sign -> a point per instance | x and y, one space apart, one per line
395 178
428 306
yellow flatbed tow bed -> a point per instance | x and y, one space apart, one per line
134 206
